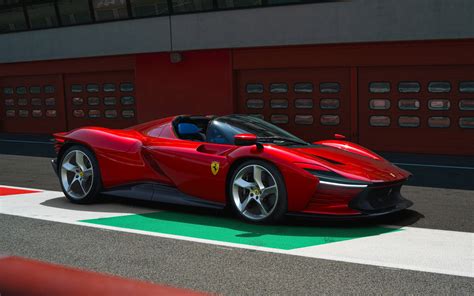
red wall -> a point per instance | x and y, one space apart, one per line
440 52
200 84
82 65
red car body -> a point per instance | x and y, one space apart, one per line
152 153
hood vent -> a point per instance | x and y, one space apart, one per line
329 160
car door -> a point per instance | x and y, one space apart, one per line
196 168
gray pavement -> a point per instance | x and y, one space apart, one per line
210 268
226 270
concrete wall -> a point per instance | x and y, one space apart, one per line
329 22
114 38
333 22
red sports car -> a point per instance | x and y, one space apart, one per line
258 169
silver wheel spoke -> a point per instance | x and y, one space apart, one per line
80 160
87 173
244 184
245 203
262 207
69 167
68 189
257 176
268 191
82 186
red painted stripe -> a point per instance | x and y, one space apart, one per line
12 191
20 276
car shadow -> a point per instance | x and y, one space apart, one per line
289 226
105 206
287 229
398 219
224 220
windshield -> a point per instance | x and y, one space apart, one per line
223 129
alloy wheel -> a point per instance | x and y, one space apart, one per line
255 192
77 174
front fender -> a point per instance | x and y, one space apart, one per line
350 147
300 186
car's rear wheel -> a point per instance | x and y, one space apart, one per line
257 192
79 175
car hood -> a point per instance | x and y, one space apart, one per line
352 165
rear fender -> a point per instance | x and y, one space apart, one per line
118 152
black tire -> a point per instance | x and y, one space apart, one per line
93 194
281 205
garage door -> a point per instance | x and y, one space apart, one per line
311 103
32 104
417 109
101 98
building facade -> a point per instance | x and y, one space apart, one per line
393 75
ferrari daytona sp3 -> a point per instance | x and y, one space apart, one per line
258 169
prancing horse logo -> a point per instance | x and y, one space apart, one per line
215 167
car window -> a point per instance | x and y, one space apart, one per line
226 127
214 135
155 132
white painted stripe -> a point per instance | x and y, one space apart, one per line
53 206
435 166
28 142
428 250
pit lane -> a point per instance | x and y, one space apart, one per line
224 268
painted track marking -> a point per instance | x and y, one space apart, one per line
428 250
4 191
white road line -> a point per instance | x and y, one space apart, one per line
420 249
28 142
53 206
435 166
427 250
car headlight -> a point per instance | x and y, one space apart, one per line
334 179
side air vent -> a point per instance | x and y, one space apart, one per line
153 164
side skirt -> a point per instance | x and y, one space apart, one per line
161 193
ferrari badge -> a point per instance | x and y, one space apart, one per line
215 167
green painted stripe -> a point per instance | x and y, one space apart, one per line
234 231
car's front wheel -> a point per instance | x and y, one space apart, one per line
79 175
257 192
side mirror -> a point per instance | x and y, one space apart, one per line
245 139
339 136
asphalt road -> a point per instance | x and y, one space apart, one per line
226 270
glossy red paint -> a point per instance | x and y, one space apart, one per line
151 152
350 147
245 139
332 200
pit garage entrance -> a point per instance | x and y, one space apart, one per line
33 104
310 103
100 98
417 109
52 103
